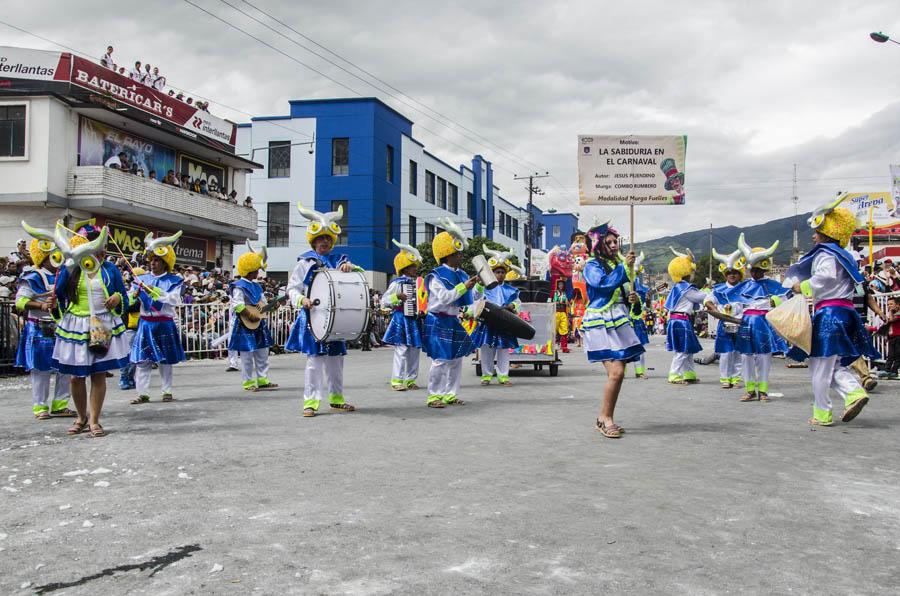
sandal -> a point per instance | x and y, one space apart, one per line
42 415
97 431
855 408
455 402
64 413
412 387
308 412
140 399
268 386
343 407
168 397
814 422
436 404
612 431
77 427
398 387
763 396
750 396
727 385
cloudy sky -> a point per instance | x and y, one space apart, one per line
757 87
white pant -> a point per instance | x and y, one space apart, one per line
487 355
142 378
729 365
756 371
232 359
406 363
258 361
444 377
681 363
827 374
324 377
40 387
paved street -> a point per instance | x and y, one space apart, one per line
227 493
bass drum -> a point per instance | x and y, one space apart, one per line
341 306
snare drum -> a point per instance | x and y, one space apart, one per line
341 305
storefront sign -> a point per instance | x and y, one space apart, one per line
200 170
130 239
631 170
94 77
99 142
35 65
191 251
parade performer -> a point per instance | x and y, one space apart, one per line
403 332
445 339
253 344
157 339
324 377
756 340
830 275
609 336
35 298
636 312
732 267
90 338
561 299
495 344
681 303
576 309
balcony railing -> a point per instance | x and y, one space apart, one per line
98 181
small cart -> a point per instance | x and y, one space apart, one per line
541 350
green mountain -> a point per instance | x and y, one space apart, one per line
724 239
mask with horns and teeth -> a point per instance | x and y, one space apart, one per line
322 224
79 252
162 247
449 241
731 262
252 261
408 255
43 247
683 265
757 257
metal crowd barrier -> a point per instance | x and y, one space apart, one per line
874 322
9 337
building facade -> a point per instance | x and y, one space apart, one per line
361 155
62 117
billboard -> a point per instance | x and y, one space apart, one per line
631 169
98 142
130 238
35 65
885 208
197 169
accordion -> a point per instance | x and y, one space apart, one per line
410 306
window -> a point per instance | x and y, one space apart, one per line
484 212
12 130
453 199
279 159
515 229
442 193
340 157
413 178
556 231
429 232
389 164
388 225
429 187
412 230
502 223
277 224
343 238
470 205
494 218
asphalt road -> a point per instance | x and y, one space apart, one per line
223 492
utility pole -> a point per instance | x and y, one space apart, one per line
795 256
529 239
710 253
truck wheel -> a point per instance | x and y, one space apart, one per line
478 369
554 370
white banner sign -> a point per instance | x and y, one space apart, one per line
631 170
881 205
22 63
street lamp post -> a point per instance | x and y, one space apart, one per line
882 38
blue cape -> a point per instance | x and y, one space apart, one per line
802 269
676 293
329 261
252 290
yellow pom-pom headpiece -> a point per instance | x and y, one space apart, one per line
757 257
162 247
682 265
408 255
42 247
835 222
448 242
252 261
322 224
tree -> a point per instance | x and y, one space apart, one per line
703 271
475 246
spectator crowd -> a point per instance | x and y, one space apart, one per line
151 77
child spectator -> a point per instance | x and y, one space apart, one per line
892 364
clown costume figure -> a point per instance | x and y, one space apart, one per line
830 275
681 303
446 341
157 339
561 299
609 335
403 332
35 299
756 340
496 345
732 267
324 377
637 317
253 344
90 337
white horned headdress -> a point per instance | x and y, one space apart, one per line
459 237
729 262
84 254
46 245
760 258
497 258
322 224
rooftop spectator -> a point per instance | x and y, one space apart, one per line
159 81
122 71
248 202
117 161
107 60
232 196
204 190
137 74
152 175
190 101
180 96
196 186
147 79
171 178
171 93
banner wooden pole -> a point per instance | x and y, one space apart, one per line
871 256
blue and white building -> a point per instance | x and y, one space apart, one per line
360 154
